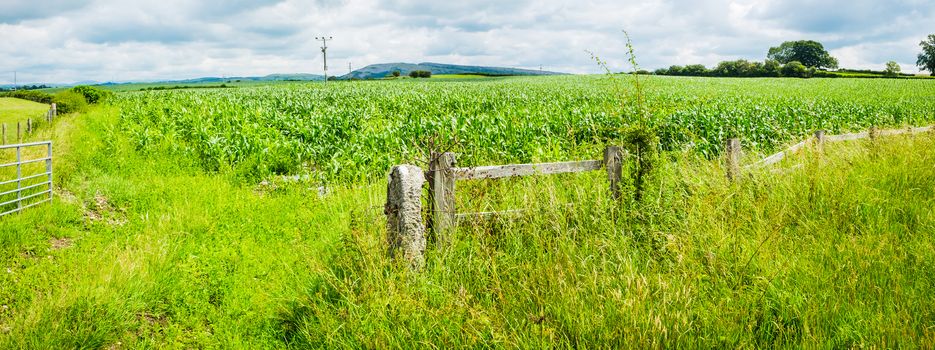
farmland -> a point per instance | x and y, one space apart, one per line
15 110
170 228
355 131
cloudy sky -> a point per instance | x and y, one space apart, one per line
118 40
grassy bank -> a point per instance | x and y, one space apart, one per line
143 248
13 110
144 251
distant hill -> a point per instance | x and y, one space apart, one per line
376 71
271 77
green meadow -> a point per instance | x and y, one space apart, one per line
176 223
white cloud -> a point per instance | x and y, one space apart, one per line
63 41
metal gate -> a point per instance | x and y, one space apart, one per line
31 185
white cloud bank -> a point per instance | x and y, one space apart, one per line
109 40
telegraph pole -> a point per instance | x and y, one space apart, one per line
349 68
324 52
14 80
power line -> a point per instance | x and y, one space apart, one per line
324 52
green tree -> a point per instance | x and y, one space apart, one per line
771 68
420 74
695 70
94 95
795 69
807 52
738 68
892 68
395 74
927 57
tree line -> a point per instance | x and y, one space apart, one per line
24 87
798 59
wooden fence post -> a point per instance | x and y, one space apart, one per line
733 158
29 126
405 230
4 133
613 159
54 111
820 140
19 132
442 194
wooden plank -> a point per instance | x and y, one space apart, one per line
501 171
786 170
776 158
921 130
488 214
442 194
796 147
847 137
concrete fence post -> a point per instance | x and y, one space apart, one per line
54 111
442 194
733 158
613 163
405 230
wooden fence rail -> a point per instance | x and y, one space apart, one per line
819 138
406 233
442 176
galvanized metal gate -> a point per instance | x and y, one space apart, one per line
31 185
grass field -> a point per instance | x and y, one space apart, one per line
461 76
162 236
14 110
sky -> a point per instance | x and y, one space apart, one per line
61 41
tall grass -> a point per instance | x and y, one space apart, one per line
837 254
143 249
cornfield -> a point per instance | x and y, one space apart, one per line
355 131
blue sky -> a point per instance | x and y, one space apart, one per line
108 40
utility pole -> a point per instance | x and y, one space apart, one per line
324 52
14 80
349 70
